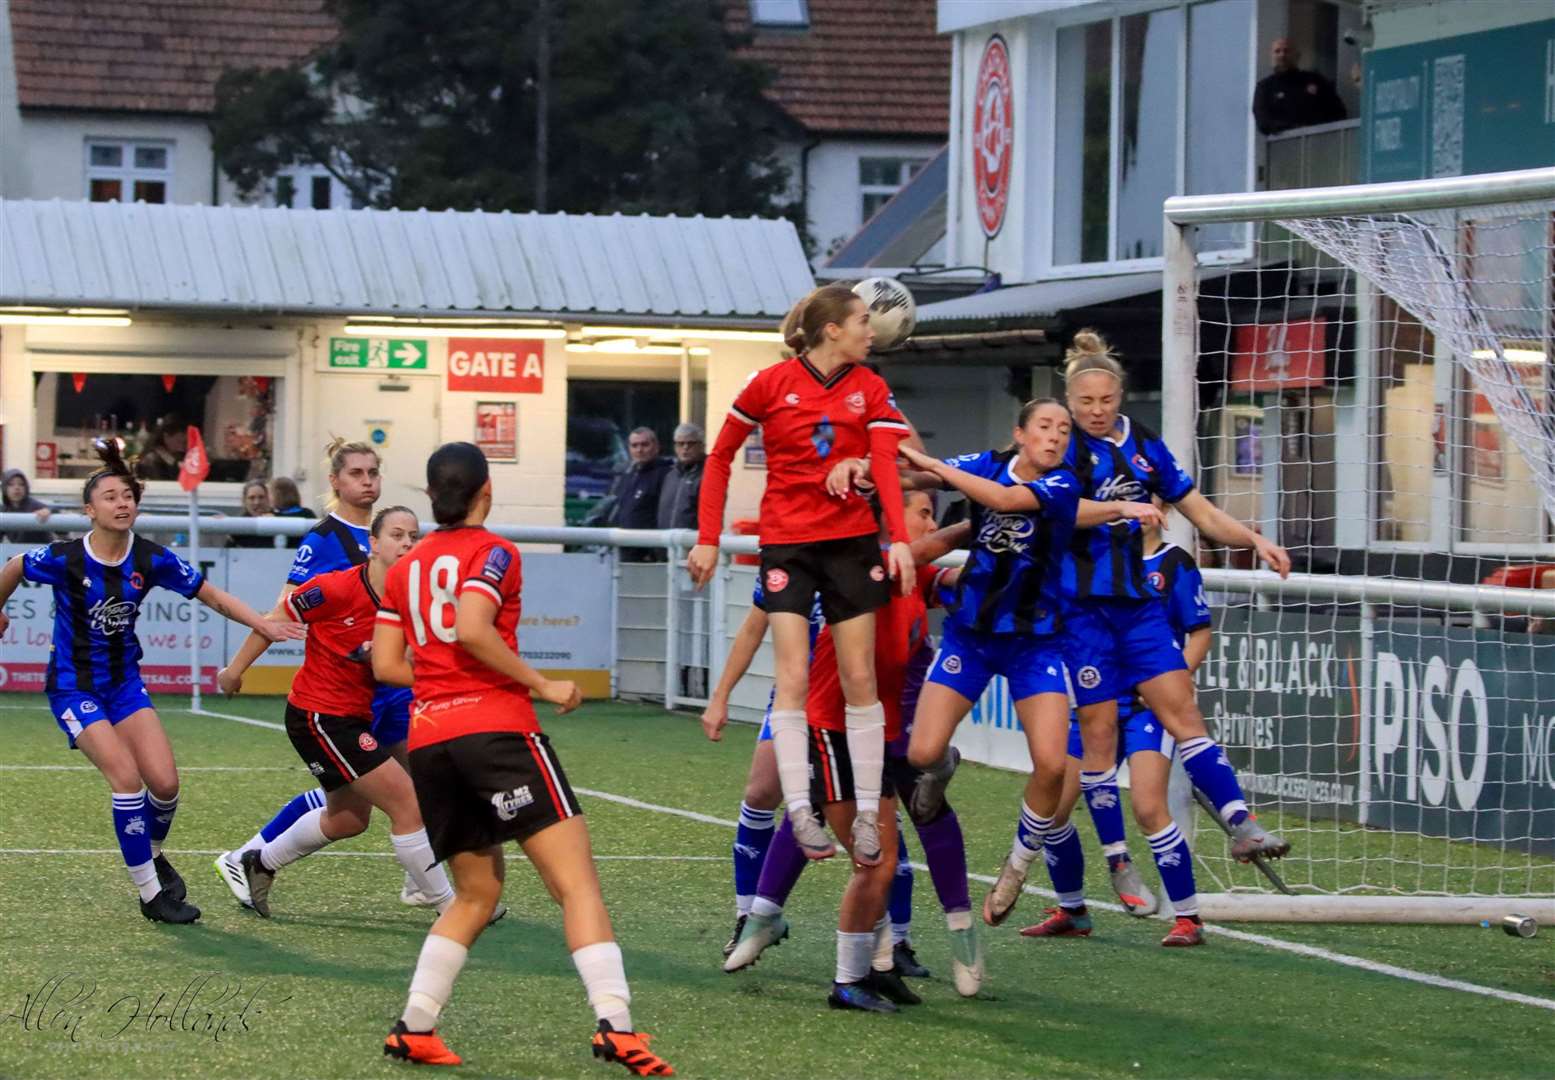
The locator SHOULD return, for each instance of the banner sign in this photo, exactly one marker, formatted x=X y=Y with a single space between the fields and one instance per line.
x=496 y=364
x=565 y=626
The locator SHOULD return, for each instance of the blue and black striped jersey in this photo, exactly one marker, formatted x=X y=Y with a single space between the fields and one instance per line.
x=1013 y=579
x=96 y=603
x=1108 y=561
x=1174 y=577
x=332 y=544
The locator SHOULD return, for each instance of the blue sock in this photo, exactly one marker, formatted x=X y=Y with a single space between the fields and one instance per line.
x=1175 y=862
x=752 y=838
x=288 y=815
x=900 y=905
x=161 y=819
x=1066 y=865
x=132 y=827
x=1029 y=835
x=1106 y=806
x=1212 y=774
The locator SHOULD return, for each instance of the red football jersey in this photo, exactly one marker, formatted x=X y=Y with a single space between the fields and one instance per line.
x=455 y=693
x=808 y=424
x=336 y=677
x=900 y=628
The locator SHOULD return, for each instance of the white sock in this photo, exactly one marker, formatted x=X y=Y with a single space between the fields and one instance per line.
x=854 y=953
x=1029 y=835
x=305 y=836
x=433 y=983
x=958 y=920
x=255 y=842
x=604 y=978
x=884 y=958
x=866 y=746
x=145 y=878
x=900 y=932
x=764 y=908
x=414 y=851
x=791 y=744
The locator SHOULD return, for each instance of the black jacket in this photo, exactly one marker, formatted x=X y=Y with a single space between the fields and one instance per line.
x=1294 y=99
x=636 y=493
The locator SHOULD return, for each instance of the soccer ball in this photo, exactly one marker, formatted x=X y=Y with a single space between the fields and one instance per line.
x=892 y=311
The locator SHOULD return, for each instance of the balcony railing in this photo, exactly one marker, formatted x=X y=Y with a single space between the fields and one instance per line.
x=1324 y=155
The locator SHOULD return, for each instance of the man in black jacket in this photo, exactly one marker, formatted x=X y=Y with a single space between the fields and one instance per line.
x=636 y=492
x=1292 y=98
x=683 y=482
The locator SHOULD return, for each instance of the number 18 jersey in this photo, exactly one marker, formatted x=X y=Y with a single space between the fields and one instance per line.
x=455 y=693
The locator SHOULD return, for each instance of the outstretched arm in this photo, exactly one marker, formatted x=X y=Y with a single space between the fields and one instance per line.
x=10 y=578
x=941 y=542
x=230 y=678
x=228 y=606
x=1222 y=528
x=747 y=639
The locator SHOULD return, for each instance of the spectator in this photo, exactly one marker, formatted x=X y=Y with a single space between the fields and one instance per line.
x=16 y=498
x=256 y=503
x=683 y=481
x=636 y=492
x=163 y=456
x=1292 y=98
x=286 y=501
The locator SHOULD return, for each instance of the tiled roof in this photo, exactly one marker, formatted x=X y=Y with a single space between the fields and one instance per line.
x=153 y=55
x=389 y=262
x=861 y=67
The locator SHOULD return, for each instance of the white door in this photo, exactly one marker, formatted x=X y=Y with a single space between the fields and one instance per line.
x=403 y=424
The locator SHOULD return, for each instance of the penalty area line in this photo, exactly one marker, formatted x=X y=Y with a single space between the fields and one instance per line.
x=1312 y=952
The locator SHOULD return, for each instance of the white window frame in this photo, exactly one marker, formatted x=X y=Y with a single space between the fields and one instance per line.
x=127 y=173
x=1047 y=268
x=302 y=177
x=903 y=178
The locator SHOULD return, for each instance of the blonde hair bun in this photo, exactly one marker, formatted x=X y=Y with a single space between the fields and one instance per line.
x=1089 y=351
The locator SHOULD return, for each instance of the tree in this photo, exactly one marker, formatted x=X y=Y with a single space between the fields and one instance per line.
x=433 y=103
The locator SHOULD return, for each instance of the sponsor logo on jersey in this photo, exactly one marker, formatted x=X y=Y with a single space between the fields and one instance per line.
x=498 y=559
x=112 y=616
x=88 y=706
x=366 y=741
x=777 y=580
x=951 y=665
x=136 y=581
x=1140 y=462
x=791 y=399
x=310 y=598
x=1157 y=580
x=315 y=768
x=509 y=803
x=135 y=826
x=1089 y=677
x=304 y=553
x=1000 y=533
x=855 y=402
x=877 y=573
x=1120 y=489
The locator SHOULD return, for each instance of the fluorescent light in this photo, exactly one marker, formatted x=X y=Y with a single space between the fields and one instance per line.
x=97 y=311
x=624 y=347
x=681 y=333
x=485 y=330
x=1514 y=356
x=13 y=319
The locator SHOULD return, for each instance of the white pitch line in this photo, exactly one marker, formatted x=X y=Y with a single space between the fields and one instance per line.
x=355 y=854
x=272 y=725
x=1311 y=951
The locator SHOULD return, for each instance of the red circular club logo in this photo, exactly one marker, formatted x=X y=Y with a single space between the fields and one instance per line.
x=993 y=135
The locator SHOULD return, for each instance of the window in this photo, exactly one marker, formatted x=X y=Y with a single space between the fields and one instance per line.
x=312 y=187
x=1132 y=127
x=879 y=178
x=236 y=414
x=128 y=170
x=780 y=13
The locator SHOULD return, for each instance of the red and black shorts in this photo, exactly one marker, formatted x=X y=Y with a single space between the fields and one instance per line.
x=336 y=749
x=831 y=767
x=849 y=574
x=479 y=791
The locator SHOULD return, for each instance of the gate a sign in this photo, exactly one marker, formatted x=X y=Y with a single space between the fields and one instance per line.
x=504 y=365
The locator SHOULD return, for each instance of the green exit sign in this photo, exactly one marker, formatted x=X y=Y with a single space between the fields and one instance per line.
x=397 y=354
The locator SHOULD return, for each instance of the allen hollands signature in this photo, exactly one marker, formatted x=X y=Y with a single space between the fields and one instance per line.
x=210 y=1004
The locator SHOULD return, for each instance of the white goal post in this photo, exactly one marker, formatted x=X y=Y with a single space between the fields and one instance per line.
x=1364 y=374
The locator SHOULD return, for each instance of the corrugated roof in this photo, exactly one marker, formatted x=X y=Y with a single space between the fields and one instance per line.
x=1042 y=298
x=390 y=262
x=153 y=55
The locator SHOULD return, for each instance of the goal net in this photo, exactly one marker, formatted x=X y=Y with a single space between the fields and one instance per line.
x=1365 y=375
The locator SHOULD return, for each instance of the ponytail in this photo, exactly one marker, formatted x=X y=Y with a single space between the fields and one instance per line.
x=112 y=456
